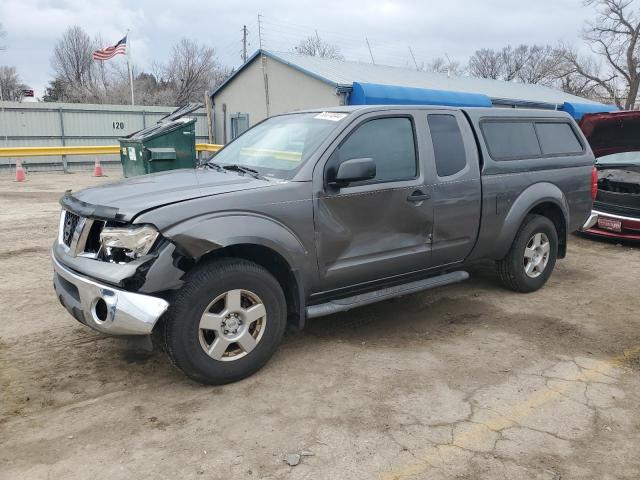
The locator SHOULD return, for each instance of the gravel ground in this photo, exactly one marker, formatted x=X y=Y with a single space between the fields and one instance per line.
x=468 y=381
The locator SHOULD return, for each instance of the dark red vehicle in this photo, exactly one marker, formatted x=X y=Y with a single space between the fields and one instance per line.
x=615 y=141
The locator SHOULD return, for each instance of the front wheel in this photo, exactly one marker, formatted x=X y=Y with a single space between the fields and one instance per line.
x=532 y=257
x=225 y=322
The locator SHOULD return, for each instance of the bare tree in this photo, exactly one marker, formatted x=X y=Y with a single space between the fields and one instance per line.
x=191 y=70
x=316 y=47
x=486 y=63
x=614 y=36
x=74 y=66
x=10 y=84
x=513 y=61
x=541 y=65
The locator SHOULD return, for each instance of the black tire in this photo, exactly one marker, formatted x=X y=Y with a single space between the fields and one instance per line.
x=204 y=284
x=511 y=269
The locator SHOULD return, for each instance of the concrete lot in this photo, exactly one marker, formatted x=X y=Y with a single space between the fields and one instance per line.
x=469 y=381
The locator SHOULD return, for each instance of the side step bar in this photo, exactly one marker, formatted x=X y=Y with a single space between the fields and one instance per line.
x=344 y=304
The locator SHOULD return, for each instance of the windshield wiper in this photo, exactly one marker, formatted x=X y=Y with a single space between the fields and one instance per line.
x=243 y=169
x=236 y=168
x=217 y=166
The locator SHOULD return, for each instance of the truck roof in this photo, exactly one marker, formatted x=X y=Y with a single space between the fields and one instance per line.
x=472 y=111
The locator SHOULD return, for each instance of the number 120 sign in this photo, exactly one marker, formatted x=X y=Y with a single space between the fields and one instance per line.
x=118 y=125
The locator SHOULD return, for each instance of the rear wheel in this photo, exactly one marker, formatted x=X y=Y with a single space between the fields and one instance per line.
x=225 y=322
x=532 y=256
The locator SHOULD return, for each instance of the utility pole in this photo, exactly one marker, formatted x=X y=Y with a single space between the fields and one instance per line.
x=244 y=44
x=370 y=53
x=263 y=62
x=129 y=67
x=414 y=58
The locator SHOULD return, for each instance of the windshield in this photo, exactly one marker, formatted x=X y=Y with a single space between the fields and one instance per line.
x=278 y=146
x=624 y=158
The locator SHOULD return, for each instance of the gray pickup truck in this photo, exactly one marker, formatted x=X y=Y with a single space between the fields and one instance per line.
x=316 y=212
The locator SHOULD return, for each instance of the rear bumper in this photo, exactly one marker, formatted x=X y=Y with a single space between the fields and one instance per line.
x=630 y=226
x=105 y=308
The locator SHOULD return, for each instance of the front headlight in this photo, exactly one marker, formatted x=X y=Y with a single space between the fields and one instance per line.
x=132 y=242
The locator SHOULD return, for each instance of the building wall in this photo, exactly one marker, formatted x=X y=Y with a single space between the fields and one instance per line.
x=58 y=124
x=289 y=90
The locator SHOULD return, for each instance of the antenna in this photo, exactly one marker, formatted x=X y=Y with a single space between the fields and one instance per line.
x=260 y=30
x=370 y=53
x=448 y=64
x=244 y=44
x=414 y=58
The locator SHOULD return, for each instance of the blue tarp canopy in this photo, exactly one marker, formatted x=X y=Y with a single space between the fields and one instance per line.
x=379 y=94
x=578 y=110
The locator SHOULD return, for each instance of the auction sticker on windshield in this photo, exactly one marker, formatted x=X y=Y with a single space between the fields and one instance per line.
x=333 y=116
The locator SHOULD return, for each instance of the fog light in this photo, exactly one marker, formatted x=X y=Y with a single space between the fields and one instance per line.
x=100 y=310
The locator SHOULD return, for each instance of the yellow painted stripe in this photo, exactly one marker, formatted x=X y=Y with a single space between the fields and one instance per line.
x=208 y=147
x=81 y=150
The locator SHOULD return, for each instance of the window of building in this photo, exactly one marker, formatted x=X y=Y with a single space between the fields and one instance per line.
x=239 y=124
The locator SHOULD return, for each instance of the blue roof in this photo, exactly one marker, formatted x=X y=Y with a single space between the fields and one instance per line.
x=378 y=94
x=578 y=110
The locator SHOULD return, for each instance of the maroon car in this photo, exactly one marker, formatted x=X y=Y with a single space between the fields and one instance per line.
x=615 y=141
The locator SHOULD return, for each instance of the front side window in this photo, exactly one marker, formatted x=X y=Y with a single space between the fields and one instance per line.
x=389 y=142
x=448 y=145
x=511 y=139
x=280 y=145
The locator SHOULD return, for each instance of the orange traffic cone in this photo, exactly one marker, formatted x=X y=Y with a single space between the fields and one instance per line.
x=20 y=175
x=97 y=169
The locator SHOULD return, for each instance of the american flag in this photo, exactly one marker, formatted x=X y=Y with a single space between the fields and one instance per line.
x=107 y=53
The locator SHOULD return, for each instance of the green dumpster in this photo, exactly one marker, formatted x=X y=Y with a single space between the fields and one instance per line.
x=168 y=145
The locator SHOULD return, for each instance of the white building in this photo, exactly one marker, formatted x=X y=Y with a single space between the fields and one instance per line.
x=270 y=83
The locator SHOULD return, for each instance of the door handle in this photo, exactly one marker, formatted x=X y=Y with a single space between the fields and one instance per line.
x=418 y=196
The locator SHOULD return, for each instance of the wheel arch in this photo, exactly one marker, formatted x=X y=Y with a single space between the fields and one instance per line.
x=540 y=198
x=250 y=236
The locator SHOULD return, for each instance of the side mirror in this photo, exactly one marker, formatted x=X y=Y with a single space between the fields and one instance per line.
x=354 y=170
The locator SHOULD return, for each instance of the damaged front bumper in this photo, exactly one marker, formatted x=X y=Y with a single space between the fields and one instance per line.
x=105 y=308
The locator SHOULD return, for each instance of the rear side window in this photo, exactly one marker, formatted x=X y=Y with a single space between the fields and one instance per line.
x=509 y=139
x=389 y=142
x=448 y=145
x=558 y=138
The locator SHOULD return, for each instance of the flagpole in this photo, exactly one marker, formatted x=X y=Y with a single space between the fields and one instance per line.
x=129 y=67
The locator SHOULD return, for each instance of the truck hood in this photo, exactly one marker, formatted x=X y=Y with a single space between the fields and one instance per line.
x=125 y=199
x=614 y=132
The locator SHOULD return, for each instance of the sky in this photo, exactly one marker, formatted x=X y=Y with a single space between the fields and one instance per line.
x=432 y=28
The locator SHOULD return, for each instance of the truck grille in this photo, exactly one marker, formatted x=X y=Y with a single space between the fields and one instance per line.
x=88 y=234
x=71 y=221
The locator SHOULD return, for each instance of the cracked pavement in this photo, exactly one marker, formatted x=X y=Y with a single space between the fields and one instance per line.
x=468 y=381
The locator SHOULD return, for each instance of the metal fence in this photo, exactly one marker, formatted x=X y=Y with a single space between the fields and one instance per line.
x=70 y=124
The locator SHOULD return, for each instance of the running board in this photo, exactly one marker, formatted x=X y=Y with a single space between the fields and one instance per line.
x=344 y=304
